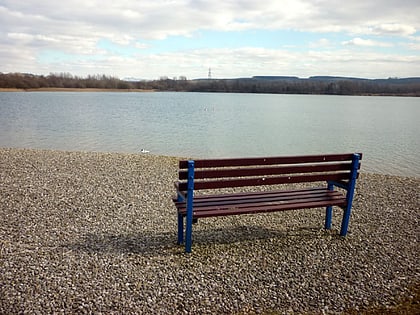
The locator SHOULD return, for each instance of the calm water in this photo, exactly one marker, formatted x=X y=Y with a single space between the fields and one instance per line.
x=385 y=129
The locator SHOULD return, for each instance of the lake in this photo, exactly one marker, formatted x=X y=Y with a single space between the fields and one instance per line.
x=385 y=129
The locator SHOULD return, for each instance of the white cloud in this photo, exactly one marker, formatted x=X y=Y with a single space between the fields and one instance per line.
x=393 y=29
x=121 y=39
x=139 y=45
x=320 y=43
x=246 y=62
x=413 y=46
x=365 y=42
x=32 y=37
x=29 y=28
x=160 y=18
x=243 y=62
x=20 y=36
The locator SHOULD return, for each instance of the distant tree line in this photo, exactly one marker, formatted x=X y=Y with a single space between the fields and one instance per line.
x=258 y=84
x=313 y=85
x=60 y=80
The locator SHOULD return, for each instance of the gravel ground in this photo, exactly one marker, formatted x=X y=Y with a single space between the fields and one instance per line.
x=96 y=233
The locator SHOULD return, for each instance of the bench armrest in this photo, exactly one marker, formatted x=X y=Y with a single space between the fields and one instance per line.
x=340 y=184
x=181 y=195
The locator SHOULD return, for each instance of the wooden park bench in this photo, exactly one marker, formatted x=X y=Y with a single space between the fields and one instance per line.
x=337 y=170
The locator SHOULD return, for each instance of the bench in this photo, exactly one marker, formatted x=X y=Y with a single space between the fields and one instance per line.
x=337 y=170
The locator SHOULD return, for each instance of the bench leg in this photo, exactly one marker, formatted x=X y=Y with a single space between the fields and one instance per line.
x=188 y=234
x=180 y=229
x=328 y=218
x=347 y=211
x=350 y=194
x=346 y=220
x=190 y=201
x=328 y=213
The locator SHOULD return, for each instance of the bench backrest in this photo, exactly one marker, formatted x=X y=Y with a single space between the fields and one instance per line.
x=224 y=173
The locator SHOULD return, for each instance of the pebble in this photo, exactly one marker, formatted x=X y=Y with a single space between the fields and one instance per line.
x=86 y=232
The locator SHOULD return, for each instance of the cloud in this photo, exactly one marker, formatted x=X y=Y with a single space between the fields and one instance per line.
x=139 y=45
x=248 y=61
x=393 y=29
x=414 y=44
x=159 y=19
x=365 y=43
x=320 y=43
x=32 y=38
x=32 y=29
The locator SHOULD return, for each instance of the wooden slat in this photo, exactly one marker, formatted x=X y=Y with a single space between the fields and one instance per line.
x=259 y=194
x=259 y=181
x=268 y=160
x=223 y=200
x=270 y=208
x=253 y=195
x=241 y=195
x=262 y=201
x=309 y=199
x=261 y=171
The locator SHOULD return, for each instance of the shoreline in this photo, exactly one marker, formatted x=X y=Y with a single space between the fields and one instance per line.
x=54 y=89
x=72 y=90
x=96 y=232
x=363 y=171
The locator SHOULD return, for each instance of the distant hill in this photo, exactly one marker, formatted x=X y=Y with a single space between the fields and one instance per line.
x=413 y=80
x=313 y=85
x=332 y=78
x=272 y=77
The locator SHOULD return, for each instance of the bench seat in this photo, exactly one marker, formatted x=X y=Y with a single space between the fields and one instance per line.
x=258 y=202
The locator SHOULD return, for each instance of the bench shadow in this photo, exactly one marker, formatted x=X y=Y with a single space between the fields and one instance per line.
x=164 y=243
x=152 y=244
x=240 y=234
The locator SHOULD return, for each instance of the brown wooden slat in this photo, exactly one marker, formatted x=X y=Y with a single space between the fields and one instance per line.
x=261 y=171
x=262 y=200
x=259 y=181
x=268 y=160
x=260 y=194
x=268 y=208
x=270 y=192
x=335 y=199
x=241 y=195
x=220 y=198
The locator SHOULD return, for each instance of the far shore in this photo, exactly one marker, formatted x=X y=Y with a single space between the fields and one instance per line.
x=72 y=90
x=56 y=89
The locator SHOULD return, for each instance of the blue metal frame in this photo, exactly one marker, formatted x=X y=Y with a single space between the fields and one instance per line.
x=328 y=215
x=190 y=198
x=180 y=198
x=350 y=187
x=350 y=193
x=180 y=224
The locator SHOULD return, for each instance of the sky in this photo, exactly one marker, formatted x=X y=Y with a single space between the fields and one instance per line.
x=234 y=38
